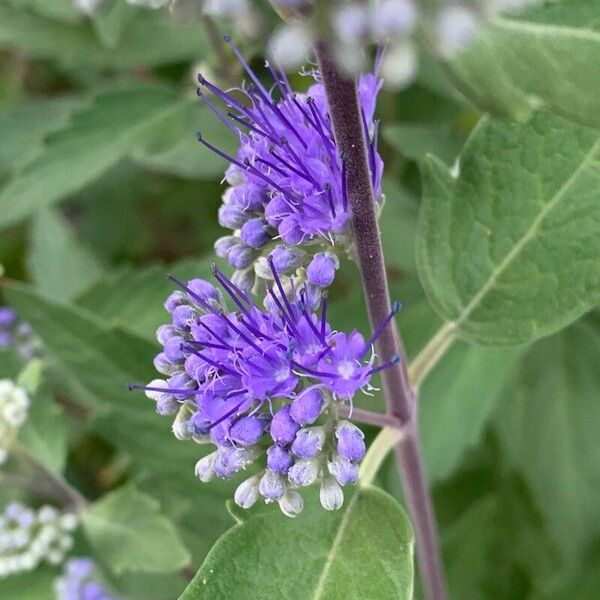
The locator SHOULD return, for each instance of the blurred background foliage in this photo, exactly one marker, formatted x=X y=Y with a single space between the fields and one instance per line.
x=104 y=190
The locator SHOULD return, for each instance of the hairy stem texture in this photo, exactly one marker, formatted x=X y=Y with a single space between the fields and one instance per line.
x=342 y=97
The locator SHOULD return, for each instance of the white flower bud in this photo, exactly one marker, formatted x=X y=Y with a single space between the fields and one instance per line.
x=291 y=503
x=205 y=467
x=331 y=494
x=399 y=65
x=455 y=27
x=247 y=493
x=290 y=45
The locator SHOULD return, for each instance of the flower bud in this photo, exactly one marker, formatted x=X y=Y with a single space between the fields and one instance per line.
x=309 y=442
x=165 y=332
x=399 y=64
x=394 y=18
x=306 y=408
x=304 y=471
x=174 y=349
x=279 y=459
x=272 y=485
x=182 y=316
x=286 y=259
x=8 y=316
x=331 y=494
x=224 y=244
x=255 y=233
x=232 y=216
x=344 y=471
x=290 y=45
x=456 y=26
x=175 y=299
x=244 y=279
x=247 y=430
x=205 y=467
x=241 y=256
x=159 y=383
x=351 y=23
x=321 y=269
x=350 y=441
x=291 y=503
x=195 y=367
x=250 y=197
x=290 y=230
x=206 y=291
x=182 y=381
x=247 y=492
x=230 y=460
x=234 y=175
x=182 y=429
x=167 y=404
x=163 y=365
x=283 y=429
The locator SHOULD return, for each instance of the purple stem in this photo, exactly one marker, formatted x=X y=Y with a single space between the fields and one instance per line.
x=345 y=114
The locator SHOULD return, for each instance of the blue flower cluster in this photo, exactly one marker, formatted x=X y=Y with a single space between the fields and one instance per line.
x=288 y=180
x=267 y=382
x=258 y=381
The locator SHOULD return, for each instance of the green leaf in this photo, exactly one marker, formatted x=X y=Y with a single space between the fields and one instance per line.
x=112 y=24
x=37 y=585
x=508 y=249
x=44 y=434
x=415 y=140
x=546 y=58
x=25 y=126
x=128 y=532
x=152 y=39
x=134 y=299
x=185 y=157
x=98 y=136
x=457 y=400
x=60 y=265
x=102 y=359
x=364 y=551
x=548 y=426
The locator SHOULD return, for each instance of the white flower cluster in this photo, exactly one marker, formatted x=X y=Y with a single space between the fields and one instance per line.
x=29 y=537
x=14 y=404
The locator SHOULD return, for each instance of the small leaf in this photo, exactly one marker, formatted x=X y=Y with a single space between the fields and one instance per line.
x=545 y=58
x=58 y=262
x=548 y=426
x=364 y=551
x=128 y=532
x=96 y=138
x=44 y=434
x=152 y=39
x=509 y=248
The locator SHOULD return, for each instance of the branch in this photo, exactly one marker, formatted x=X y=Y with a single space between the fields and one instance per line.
x=342 y=97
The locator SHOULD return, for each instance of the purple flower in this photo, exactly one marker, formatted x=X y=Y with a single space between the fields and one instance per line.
x=79 y=581
x=350 y=441
x=18 y=335
x=288 y=172
x=250 y=379
x=321 y=269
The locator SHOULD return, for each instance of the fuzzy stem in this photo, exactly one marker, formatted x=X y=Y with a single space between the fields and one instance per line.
x=342 y=97
x=369 y=417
